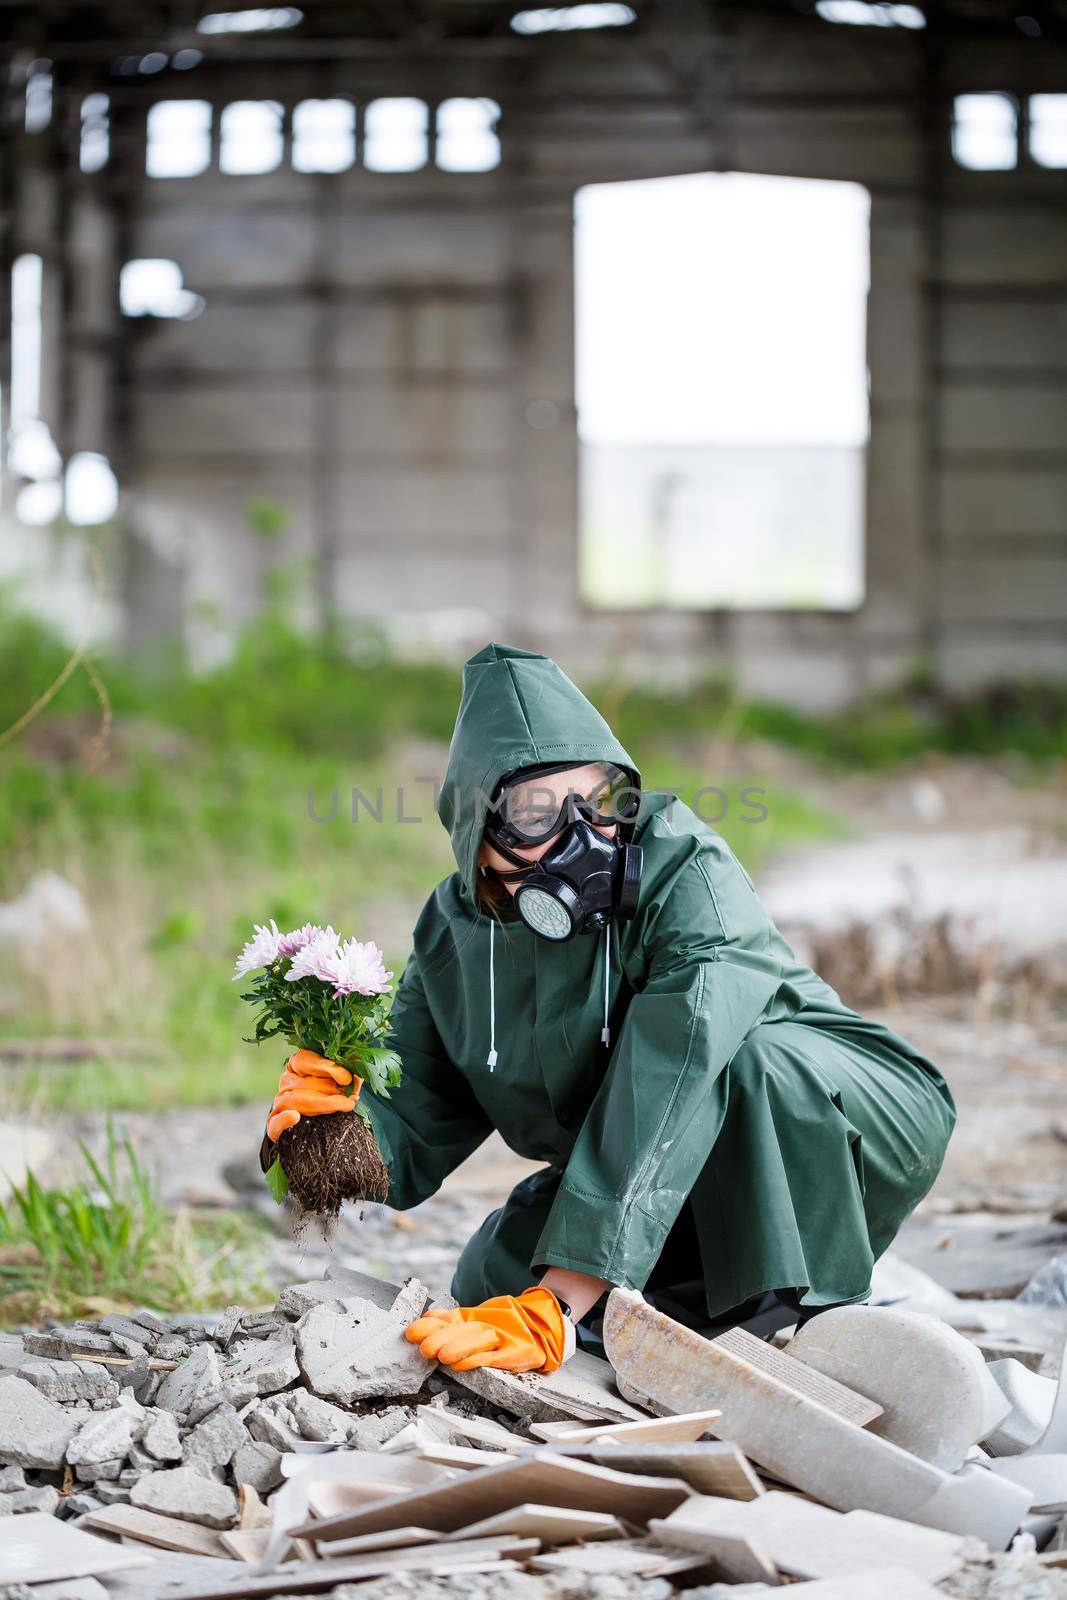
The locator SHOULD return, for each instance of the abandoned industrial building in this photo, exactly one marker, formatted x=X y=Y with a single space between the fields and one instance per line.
x=312 y=274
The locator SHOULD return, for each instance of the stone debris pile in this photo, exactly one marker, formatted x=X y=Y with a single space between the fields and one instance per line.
x=310 y=1448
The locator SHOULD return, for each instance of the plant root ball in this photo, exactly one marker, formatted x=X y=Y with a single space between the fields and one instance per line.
x=330 y=1159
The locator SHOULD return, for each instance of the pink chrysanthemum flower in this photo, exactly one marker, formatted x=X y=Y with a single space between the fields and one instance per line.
x=360 y=969
x=299 y=938
x=263 y=948
x=317 y=959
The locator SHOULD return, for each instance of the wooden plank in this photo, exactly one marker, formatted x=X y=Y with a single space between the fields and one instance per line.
x=309 y=1577
x=784 y=1368
x=550 y=1524
x=718 y=1468
x=538 y=1476
x=650 y=1430
x=166 y=1533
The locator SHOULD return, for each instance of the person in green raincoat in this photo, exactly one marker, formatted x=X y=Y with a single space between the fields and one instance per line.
x=717 y=1128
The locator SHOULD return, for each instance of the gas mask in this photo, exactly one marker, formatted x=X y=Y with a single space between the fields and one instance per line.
x=578 y=886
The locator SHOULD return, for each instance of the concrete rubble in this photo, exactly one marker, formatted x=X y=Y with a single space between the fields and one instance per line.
x=309 y=1448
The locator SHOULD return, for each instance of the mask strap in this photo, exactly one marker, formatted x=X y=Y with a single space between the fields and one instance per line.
x=491 y=1058
x=605 y=1032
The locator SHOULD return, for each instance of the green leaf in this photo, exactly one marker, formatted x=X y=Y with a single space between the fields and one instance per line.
x=277 y=1182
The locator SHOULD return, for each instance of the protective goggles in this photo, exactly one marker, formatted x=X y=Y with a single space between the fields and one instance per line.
x=528 y=809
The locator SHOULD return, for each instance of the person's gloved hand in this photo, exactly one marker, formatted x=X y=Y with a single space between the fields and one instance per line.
x=310 y=1086
x=521 y=1333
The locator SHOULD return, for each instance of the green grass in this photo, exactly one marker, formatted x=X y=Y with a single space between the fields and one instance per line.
x=197 y=825
x=105 y=1243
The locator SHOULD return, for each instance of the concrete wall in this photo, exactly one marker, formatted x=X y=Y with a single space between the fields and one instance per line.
x=392 y=355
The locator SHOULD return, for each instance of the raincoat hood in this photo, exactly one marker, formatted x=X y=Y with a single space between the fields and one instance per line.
x=518 y=708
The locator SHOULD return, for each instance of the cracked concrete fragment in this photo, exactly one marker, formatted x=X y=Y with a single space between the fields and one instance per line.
x=198 y=1375
x=358 y=1353
x=185 y=1493
x=34 y=1431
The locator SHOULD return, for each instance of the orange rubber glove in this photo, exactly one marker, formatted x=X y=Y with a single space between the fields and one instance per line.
x=521 y=1333
x=310 y=1086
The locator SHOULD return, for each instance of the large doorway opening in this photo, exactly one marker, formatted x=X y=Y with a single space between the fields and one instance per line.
x=722 y=391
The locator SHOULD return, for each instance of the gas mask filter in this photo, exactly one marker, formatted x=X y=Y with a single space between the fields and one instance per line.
x=579 y=885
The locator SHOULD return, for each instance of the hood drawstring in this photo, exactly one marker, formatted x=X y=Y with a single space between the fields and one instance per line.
x=491 y=1058
x=605 y=1032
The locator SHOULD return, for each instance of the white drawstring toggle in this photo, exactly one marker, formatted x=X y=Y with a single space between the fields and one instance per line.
x=605 y=1032
x=491 y=1058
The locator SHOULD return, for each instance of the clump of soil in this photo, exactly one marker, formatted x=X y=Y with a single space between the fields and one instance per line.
x=331 y=1159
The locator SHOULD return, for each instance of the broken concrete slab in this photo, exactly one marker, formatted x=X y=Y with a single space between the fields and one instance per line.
x=12 y=1352
x=358 y=1353
x=258 y=1464
x=65 y=1344
x=583 y=1389
x=340 y=1283
x=41 y=1497
x=105 y=1437
x=317 y=1418
x=215 y=1441
x=937 y=1396
x=271 y=1422
x=34 y=1431
x=378 y=1428
x=197 y=1375
x=1030 y=1398
x=411 y=1302
x=65 y=1381
x=260 y=1366
x=185 y=1493
x=794 y=1438
x=226 y=1324
x=161 y=1438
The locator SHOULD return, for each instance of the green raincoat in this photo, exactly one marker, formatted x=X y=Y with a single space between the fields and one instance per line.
x=742 y=1127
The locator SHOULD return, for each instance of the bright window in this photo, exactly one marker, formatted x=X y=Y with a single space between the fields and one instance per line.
x=95 y=134
x=985 y=134
x=722 y=391
x=179 y=139
x=396 y=135
x=324 y=135
x=466 y=135
x=1048 y=129
x=251 y=137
